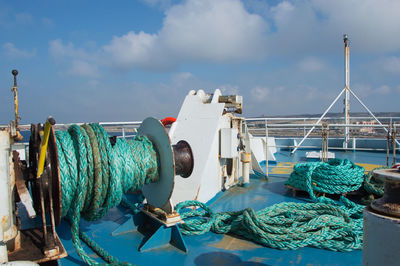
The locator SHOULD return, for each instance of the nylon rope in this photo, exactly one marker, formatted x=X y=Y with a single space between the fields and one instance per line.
x=334 y=177
x=286 y=225
x=95 y=175
x=325 y=223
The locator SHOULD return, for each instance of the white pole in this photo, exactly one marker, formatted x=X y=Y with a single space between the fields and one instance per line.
x=266 y=147
x=347 y=87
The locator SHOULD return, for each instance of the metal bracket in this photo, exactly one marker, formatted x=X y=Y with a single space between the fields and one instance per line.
x=158 y=230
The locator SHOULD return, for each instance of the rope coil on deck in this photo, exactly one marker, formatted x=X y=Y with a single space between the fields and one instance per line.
x=326 y=223
x=94 y=175
x=286 y=225
x=333 y=177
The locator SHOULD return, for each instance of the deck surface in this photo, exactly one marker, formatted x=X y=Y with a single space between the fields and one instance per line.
x=214 y=249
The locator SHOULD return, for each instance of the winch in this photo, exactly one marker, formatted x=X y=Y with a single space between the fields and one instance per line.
x=82 y=170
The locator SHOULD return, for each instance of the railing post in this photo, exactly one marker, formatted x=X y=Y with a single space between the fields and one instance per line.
x=266 y=148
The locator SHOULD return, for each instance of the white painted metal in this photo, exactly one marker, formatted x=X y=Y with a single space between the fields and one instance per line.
x=245 y=158
x=198 y=123
x=347 y=93
x=318 y=155
x=3 y=248
x=229 y=142
x=5 y=197
x=259 y=148
x=215 y=97
x=381 y=239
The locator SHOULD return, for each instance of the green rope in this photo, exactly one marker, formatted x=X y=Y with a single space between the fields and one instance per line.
x=374 y=185
x=286 y=225
x=94 y=176
x=326 y=223
x=334 y=177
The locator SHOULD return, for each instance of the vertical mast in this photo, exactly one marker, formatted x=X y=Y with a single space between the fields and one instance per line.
x=347 y=92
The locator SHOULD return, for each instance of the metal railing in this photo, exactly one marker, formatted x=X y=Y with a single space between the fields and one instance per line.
x=361 y=128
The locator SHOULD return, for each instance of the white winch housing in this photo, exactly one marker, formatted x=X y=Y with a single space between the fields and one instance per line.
x=217 y=138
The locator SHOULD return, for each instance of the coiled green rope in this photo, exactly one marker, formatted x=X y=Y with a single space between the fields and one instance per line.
x=334 y=177
x=326 y=223
x=94 y=176
x=287 y=225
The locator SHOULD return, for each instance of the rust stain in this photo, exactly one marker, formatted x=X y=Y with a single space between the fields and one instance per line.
x=197 y=194
x=298 y=259
x=258 y=259
x=232 y=243
x=5 y=219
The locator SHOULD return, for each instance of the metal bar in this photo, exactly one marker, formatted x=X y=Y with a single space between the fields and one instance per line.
x=43 y=148
x=313 y=118
x=366 y=108
x=347 y=87
x=266 y=148
x=319 y=120
x=332 y=148
x=319 y=125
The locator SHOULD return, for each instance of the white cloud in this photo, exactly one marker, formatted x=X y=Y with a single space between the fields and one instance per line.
x=83 y=69
x=136 y=49
x=196 y=30
x=317 y=25
x=12 y=51
x=182 y=78
x=391 y=64
x=77 y=61
x=384 y=89
x=260 y=94
x=365 y=90
x=311 y=64
x=228 y=89
x=59 y=50
x=226 y=31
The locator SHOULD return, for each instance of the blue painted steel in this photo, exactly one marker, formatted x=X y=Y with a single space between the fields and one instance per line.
x=155 y=233
x=126 y=227
x=164 y=236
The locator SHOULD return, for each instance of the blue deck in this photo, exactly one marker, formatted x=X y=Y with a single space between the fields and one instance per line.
x=214 y=249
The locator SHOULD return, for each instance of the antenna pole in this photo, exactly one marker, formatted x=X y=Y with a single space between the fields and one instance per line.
x=347 y=88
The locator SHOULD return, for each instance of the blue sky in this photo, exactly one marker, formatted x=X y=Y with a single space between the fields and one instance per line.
x=84 y=61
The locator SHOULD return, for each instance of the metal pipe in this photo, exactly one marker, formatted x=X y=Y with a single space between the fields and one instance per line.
x=284 y=126
x=266 y=148
x=347 y=87
x=245 y=158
